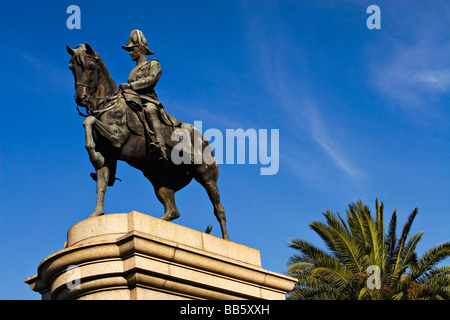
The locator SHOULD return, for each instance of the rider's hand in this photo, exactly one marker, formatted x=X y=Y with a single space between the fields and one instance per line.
x=124 y=86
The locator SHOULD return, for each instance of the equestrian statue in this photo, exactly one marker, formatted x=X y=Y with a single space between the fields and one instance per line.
x=129 y=123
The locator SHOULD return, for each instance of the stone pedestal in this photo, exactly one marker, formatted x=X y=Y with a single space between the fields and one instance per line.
x=135 y=257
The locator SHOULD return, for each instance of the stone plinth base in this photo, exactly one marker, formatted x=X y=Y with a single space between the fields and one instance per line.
x=135 y=257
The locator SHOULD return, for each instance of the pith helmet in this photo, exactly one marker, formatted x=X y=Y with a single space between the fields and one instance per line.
x=137 y=38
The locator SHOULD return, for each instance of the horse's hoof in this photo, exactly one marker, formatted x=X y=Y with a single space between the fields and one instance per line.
x=170 y=216
x=94 y=214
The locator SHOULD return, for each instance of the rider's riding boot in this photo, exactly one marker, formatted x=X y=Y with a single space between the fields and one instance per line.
x=152 y=117
x=159 y=137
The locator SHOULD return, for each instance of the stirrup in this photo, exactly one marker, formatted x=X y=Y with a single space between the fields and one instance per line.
x=163 y=154
x=161 y=149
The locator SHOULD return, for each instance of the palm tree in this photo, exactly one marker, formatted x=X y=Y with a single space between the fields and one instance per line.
x=367 y=263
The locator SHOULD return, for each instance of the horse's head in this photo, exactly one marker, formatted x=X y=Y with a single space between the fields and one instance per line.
x=85 y=67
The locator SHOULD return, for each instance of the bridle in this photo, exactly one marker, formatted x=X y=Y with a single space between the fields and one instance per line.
x=91 y=85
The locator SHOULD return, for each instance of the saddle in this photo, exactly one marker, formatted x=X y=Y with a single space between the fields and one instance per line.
x=136 y=120
x=135 y=101
x=132 y=99
x=136 y=123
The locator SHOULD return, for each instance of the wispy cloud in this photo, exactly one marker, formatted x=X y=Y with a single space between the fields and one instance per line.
x=304 y=115
x=284 y=77
x=415 y=68
x=411 y=81
x=323 y=138
x=435 y=80
x=50 y=76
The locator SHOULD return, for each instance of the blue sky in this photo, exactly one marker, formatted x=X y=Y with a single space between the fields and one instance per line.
x=361 y=114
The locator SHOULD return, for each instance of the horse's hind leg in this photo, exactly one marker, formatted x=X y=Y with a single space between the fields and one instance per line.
x=213 y=193
x=167 y=197
x=219 y=211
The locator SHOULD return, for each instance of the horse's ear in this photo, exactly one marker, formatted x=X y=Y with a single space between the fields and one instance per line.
x=89 y=49
x=70 y=50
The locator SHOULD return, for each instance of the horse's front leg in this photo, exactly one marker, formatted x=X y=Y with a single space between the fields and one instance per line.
x=96 y=157
x=102 y=183
x=103 y=163
x=98 y=161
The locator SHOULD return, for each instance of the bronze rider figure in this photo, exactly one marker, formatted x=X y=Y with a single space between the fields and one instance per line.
x=142 y=80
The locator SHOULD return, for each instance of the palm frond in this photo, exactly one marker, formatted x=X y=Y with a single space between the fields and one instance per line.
x=209 y=229
x=433 y=285
x=312 y=258
x=408 y=254
x=391 y=239
x=379 y=223
x=376 y=256
x=312 y=289
x=335 y=275
x=355 y=222
x=342 y=246
x=430 y=258
x=397 y=267
x=358 y=242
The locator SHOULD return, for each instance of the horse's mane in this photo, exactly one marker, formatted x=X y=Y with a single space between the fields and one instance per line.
x=105 y=71
x=80 y=58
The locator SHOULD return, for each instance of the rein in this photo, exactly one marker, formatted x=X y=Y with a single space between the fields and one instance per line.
x=99 y=110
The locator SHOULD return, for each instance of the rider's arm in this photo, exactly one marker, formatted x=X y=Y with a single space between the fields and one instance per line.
x=152 y=74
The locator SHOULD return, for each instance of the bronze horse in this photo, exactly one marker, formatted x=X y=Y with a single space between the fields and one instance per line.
x=114 y=132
